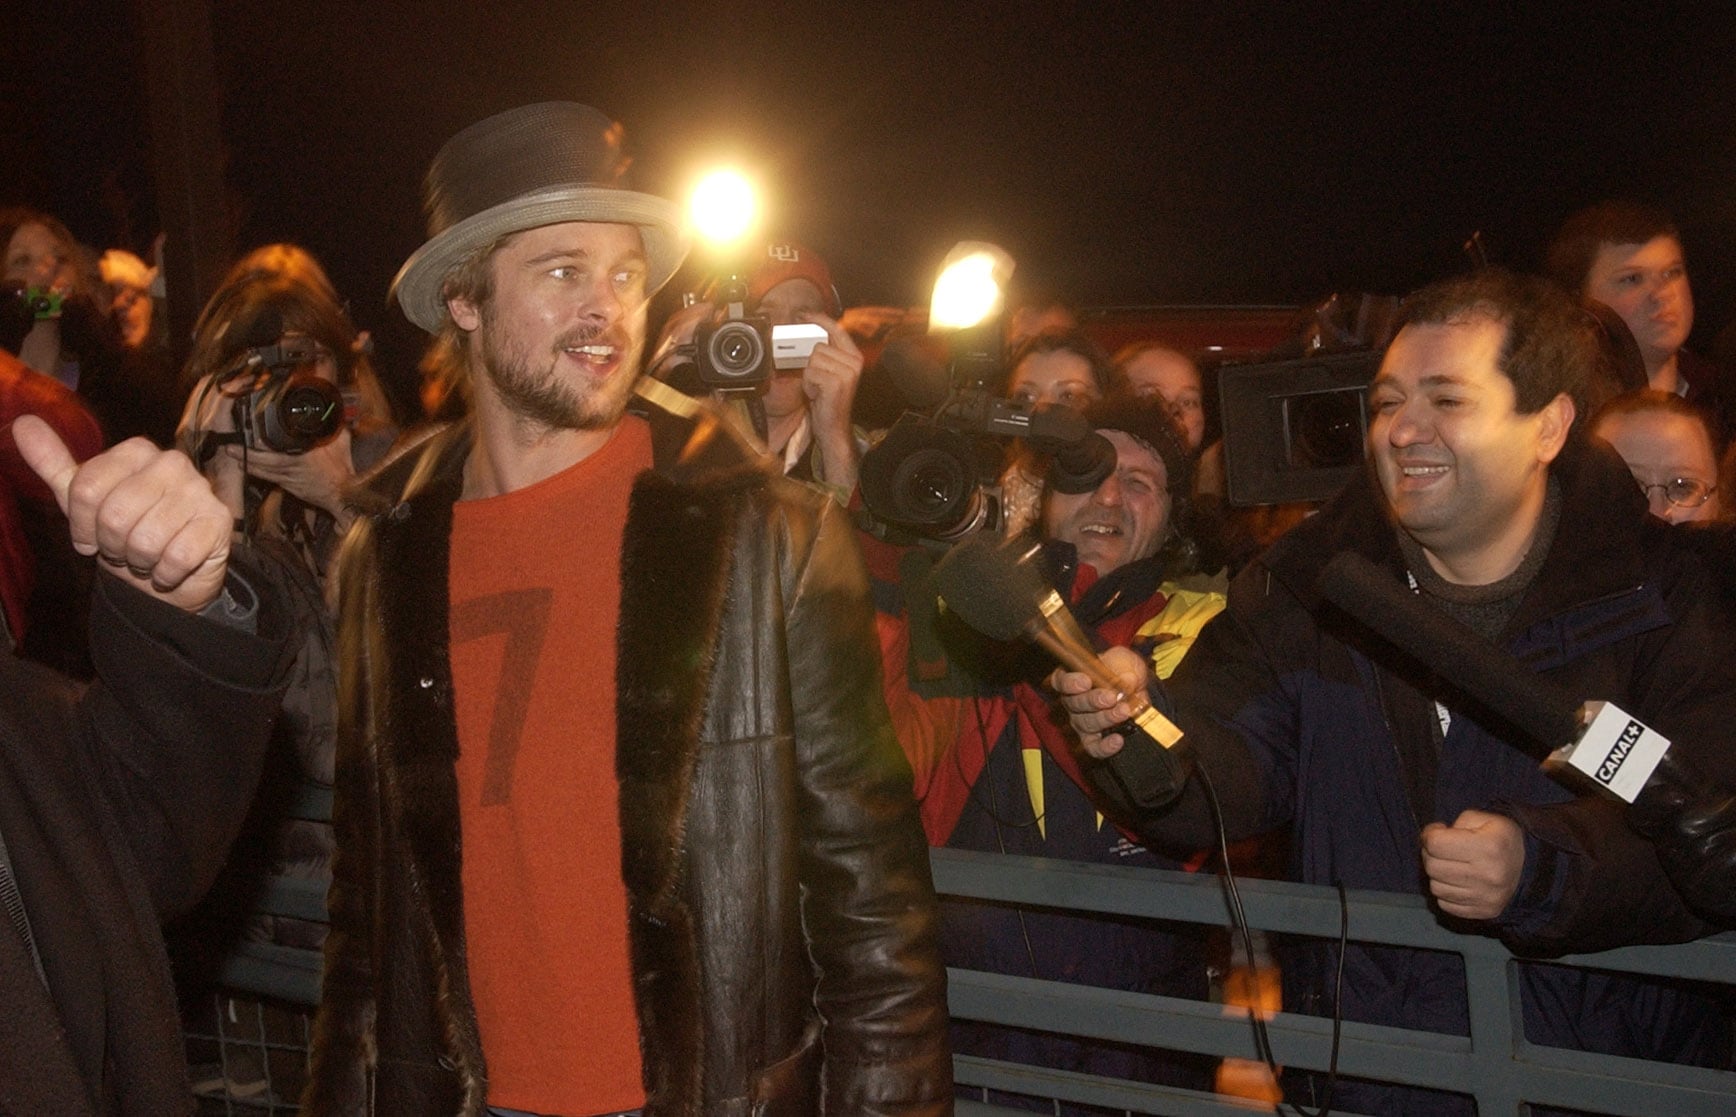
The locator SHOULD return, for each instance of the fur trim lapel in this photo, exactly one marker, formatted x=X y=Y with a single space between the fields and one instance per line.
x=420 y=781
x=675 y=576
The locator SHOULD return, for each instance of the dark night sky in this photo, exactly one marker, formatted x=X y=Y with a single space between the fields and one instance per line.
x=1127 y=154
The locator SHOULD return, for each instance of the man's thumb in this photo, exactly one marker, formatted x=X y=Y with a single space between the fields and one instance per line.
x=45 y=453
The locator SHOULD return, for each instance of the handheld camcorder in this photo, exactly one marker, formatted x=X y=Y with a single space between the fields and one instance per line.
x=937 y=475
x=739 y=352
x=290 y=407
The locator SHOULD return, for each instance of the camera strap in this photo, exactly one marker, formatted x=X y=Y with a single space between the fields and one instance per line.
x=209 y=441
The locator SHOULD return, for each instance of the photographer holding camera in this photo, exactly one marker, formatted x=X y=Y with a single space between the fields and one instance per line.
x=283 y=413
x=806 y=405
x=284 y=410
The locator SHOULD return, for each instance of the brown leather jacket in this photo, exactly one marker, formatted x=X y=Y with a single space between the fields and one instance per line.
x=782 y=914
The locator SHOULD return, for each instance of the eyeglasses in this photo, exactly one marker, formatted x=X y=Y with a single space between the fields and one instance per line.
x=1683 y=492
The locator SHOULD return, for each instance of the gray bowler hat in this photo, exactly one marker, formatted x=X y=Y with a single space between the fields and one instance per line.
x=536 y=165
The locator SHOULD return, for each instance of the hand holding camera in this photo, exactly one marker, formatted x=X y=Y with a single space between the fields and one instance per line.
x=829 y=379
x=317 y=476
x=272 y=416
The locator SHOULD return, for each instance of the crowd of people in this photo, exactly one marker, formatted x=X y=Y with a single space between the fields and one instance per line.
x=641 y=714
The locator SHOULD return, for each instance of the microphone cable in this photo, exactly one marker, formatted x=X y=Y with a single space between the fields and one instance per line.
x=1239 y=925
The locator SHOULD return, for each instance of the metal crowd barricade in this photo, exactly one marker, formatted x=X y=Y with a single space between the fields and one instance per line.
x=1495 y=1063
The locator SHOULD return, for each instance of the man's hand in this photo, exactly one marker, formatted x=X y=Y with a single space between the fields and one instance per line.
x=1092 y=709
x=1473 y=865
x=830 y=381
x=147 y=513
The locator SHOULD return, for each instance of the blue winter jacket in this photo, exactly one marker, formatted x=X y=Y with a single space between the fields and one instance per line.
x=1309 y=722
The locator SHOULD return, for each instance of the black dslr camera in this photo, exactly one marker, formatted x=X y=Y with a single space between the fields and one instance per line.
x=937 y=475
x=290 y=407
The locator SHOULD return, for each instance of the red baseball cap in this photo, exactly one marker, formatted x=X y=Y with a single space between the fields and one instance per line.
x=785 y=260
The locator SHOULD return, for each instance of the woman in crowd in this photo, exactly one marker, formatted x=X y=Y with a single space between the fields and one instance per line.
x=58 y=323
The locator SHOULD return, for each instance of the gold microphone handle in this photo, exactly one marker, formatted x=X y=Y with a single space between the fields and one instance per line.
x=1077 y=655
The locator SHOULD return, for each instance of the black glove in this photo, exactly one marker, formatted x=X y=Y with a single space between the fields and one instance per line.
x=1692 y=824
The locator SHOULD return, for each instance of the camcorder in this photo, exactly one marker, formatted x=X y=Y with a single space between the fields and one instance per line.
x=290 y=407
x=1294 y=430
x=1296 y=425
x=739 y=352
x=937 y=475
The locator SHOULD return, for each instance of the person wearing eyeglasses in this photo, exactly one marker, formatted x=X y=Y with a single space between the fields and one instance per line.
x=1668 y=444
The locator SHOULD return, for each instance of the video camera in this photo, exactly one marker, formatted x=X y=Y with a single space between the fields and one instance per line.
x=1296 y=425
x=937 y=475
x=738 y=352
x=290 y=407
x=1294 y=430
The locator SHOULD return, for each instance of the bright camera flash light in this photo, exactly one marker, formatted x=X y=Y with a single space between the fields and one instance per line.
x=969 y=288
x=723 y=206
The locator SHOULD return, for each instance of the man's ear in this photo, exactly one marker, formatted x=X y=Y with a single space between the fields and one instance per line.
x=465 y=314
x=1554 y=422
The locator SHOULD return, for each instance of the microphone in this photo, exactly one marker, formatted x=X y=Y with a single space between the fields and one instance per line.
x=999 y=590
x=1688 y=818
x=1616 y=750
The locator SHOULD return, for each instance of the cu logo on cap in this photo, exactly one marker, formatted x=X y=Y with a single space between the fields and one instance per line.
x=784 y=253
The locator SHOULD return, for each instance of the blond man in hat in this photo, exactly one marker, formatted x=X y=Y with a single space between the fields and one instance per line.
x=622 y=825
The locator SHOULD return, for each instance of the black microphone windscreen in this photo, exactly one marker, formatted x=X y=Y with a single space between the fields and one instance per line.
x=1478 y=667
x=985 y=582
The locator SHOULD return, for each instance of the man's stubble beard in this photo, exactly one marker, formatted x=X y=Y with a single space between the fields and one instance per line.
x=545 y=399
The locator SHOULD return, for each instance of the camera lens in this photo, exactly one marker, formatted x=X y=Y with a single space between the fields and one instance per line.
x=294 y=414
x=929 y=485
x=736 y=350
x=307 y=412
x=1326 y=429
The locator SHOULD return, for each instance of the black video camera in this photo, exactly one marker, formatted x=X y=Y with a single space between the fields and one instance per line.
x=1294 y=430
x=738 y=351
x=937 y=476
x=290 y=407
